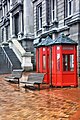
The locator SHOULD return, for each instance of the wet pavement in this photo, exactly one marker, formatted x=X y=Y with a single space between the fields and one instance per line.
x=18 y=103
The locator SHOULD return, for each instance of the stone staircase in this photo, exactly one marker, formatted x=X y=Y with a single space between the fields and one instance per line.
x=13 y=58
x=5 y=67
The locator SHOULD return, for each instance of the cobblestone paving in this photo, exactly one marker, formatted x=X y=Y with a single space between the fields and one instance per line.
x=46 y=104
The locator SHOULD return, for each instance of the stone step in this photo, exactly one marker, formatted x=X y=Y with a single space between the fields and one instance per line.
x=15 y=61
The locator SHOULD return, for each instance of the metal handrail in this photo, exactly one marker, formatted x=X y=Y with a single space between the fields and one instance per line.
x=8 y=60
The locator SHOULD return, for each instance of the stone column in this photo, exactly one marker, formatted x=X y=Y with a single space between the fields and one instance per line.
x=10 y=24
x=6 y=9
x=4 y=34
x=20 y=34
x=26 y=16
x=27 y=30
x=8 y=5
x=3 y=10
x=55 y=10
x=10 y=19
x=28 y=22
x=13 y=26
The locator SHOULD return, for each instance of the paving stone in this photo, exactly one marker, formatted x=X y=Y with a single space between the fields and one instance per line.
x=46 y=104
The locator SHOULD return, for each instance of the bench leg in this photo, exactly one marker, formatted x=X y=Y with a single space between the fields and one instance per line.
x=18 y=80
x=38 y=86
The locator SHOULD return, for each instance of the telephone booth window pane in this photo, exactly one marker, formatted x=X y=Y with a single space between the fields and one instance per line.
x=58 y=62
x=71 y=62
x=65 y=63
x=39 y=62
x=44 y=62
x=68 y=62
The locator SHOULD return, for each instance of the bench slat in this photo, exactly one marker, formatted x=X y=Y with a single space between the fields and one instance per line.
x=16 y=74
x=34 y=78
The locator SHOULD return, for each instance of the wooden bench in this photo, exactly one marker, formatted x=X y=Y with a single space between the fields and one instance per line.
x=34 y=78
x=16 y=75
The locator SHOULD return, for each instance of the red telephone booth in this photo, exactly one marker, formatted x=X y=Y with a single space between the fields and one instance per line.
x=43 y=58
x=64 y=62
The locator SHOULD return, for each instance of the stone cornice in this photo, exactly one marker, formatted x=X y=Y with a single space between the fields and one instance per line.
x=4 y=2
x=34 y=1
x=72 y=19
x=0 y=6
x=15 y=6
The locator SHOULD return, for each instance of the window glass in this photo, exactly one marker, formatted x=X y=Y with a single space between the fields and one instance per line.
x=16 y=24
x=39 y=16
x=68 y=62
x=68 y=8
x=71 y=62
x=65 y=62
x=53 y=9
x=58 y=62
x=44 y=62
x=38 y=60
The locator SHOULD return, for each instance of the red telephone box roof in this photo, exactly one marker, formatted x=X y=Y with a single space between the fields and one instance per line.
x=45 y=42
x=62 y=39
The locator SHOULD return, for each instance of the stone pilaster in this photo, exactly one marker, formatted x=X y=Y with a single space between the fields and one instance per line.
x=4 y=34
x=20 y=34
x=28 y=17
x=3 y=10
x=13 y=26
x=10 y=24
x=55 y=10
x=6 y=9
x=11 y=20
x=28 y=23
x=8 y=5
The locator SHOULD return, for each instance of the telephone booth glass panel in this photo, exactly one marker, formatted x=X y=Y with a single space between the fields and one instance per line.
x=39 y=61
x=68 y=62
x=44 y=62
x=58 y=62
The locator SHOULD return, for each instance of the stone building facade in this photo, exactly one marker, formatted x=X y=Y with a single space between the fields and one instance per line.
x=16 y=22
x=53 y=17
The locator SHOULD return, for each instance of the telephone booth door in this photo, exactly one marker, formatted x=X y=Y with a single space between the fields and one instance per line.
x=42 y=62
x=69 y=65
x=45 y=63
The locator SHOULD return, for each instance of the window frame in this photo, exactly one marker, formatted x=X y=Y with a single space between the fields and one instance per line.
x=68 y=63
x=69 y=7
x=53 y=10
x=39 y=16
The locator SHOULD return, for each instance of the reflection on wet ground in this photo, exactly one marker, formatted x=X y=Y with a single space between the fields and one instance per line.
x=16 y=103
